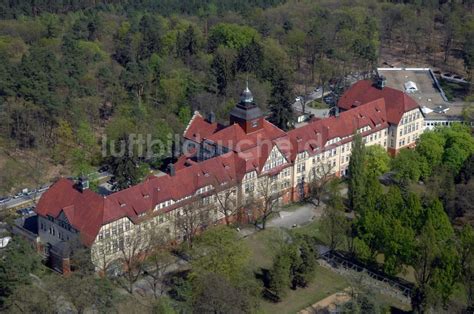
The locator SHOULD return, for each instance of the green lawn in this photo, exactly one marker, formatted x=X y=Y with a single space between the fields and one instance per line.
x=311 y=229
x=325 y=283
x=263 y=245
x=318 y=105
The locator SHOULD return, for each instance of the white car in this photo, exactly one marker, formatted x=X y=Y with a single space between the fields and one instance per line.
x=299 y=98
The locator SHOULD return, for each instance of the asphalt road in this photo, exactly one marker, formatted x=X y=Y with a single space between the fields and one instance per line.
x=28 y=199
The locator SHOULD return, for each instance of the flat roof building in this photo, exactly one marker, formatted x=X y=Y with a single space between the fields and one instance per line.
x=423 y=86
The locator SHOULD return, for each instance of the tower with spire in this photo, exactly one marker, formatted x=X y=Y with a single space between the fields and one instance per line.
x=246 y=113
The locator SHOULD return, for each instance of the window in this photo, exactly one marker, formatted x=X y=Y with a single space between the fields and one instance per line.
x=300 y=167
x=249 y=187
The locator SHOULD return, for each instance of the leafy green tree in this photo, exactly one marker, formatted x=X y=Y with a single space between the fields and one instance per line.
x=296 y=41
x=305 y=271
x=436 y=269
x=163 y=306
x=357 y=174
x=459 y=146
x=333 y=226
x=17 y=262
x=410 y=166
x=31 y=298
x=213 y=293
x=280 y=274
x=231 y=35
x=378 y=161
x=465 y=247
x=431 y=146
x=218 y=250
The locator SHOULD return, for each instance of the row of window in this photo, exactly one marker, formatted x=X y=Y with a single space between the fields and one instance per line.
x=409 y=128
x=411 y=117
x=52 y=231
x=115 y=228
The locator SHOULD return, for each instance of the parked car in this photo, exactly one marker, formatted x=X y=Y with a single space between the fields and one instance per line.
x=329 y=99
x=43 y=188
x=299 y=98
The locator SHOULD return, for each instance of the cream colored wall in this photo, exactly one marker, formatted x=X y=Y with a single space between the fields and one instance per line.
x=409 y=129
x=336 y=158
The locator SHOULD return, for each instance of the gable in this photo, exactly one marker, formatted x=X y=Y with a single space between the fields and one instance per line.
x=274 y=159
x=62 y=216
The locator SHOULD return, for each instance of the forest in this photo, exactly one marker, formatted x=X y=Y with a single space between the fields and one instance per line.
x=76 y=74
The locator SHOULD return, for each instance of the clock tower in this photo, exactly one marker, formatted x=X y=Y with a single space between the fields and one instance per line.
x=246 y=113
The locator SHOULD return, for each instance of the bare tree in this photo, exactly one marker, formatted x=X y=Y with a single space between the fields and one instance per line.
x=191 y=218
x=134 y=247
x=267 y=197
x=321 y=175
x=102 y=261
x=157 y=264
x=226 y=200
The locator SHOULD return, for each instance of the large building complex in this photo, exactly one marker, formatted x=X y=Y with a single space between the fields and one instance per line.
x=236 y=170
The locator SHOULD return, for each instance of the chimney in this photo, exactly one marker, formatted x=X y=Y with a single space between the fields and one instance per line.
x=171 y=170
x=336 y=111
x=211 y=117
x=82 y=184
x=380 y=81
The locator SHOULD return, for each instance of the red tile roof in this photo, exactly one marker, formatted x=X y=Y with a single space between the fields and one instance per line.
x=88 y=211
x=82 y=209
x=362 y=92
x=316 y=134
x=198 y=128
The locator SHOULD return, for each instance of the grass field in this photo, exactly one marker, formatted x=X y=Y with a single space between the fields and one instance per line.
x=318 y=105
x=324 y=284
x=264 y=245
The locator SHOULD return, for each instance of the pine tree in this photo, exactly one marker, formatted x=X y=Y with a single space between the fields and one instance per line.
x=357 y=174
x=223 y=69
x=280 y=102
x=186 y=44
x=250 y=57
